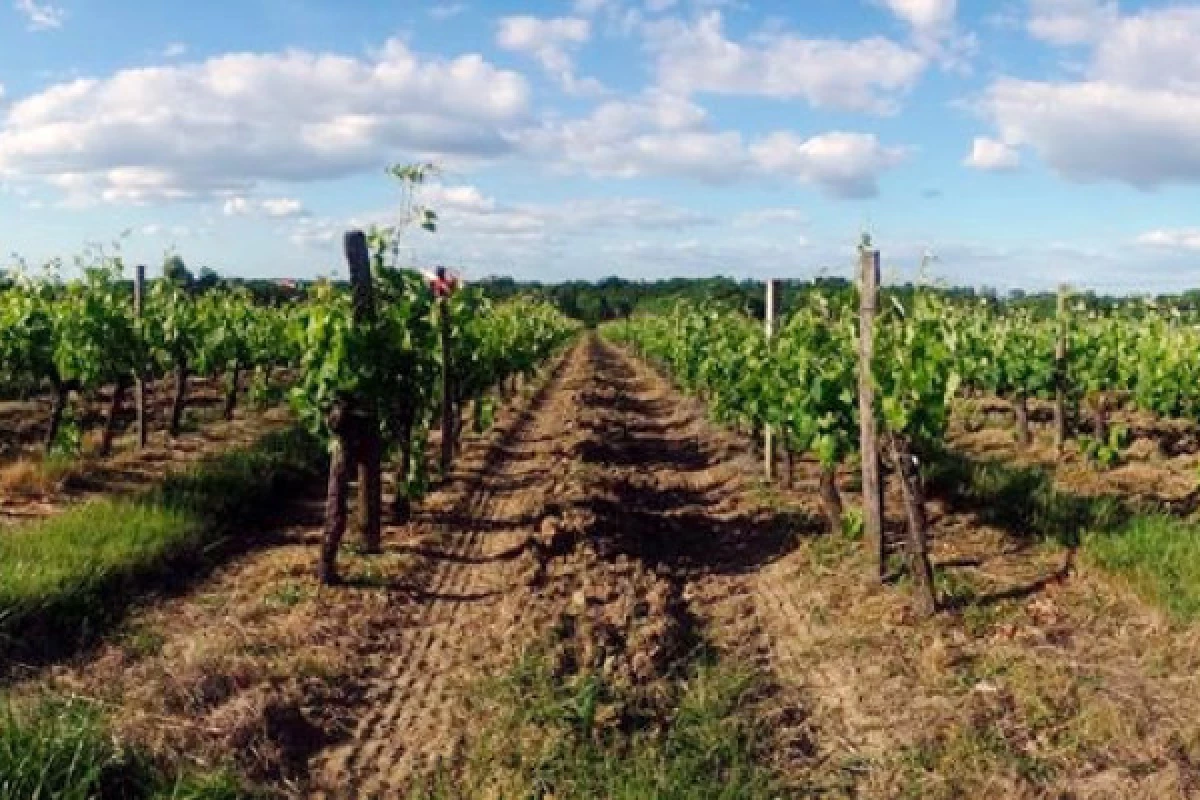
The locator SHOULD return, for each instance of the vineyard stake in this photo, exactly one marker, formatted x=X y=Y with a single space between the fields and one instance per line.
x=139 y=291
x=772 y=302
x=369 y=448
x=1060 y=372
x=447 y=421
x=872 y=484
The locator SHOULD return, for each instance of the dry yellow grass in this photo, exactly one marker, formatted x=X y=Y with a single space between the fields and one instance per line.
x=39 y=476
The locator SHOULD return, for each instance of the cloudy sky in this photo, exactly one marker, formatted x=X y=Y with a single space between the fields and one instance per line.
x=1024 y=142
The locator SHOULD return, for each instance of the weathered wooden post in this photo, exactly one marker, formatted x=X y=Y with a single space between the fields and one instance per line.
x=447 y=420
x=139 y=293
x=1060 y=371
x=772 y=301
x=872 y=483
x=368 y=444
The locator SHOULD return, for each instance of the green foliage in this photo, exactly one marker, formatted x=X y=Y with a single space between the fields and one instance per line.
x=1106 y=453
x=394 y=363
x=804 y=382
x=916 y=368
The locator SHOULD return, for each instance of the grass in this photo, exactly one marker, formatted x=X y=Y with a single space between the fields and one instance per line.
x=548 y=735
x=37 y=476
x=1158 y=555
x=1024 y=500
x=68 y=577
x=63 y=750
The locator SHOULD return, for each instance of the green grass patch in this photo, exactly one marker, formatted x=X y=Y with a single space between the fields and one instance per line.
x=1159 y=556
x=1023 y=500
x=546 y=735
x=1156 y=553
x=71 y=576
x=63 y=750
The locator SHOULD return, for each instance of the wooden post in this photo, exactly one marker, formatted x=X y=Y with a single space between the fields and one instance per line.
x=872 y=482
x=918 y=525
x=139 y=390
x=447 y=421
x=772 y=301
x=367 y=441
x=337 y=489
x=1060 y=372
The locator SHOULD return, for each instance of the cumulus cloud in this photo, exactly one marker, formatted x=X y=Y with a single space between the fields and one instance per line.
x=661 y=134
x=990 y=155
x=234 y=121
x=924 y=15
x=935 y=31
x=1187 y=239
x=1133 y=117
x=863 y=75
x=656 y=134
x=553 y=43
x=40 y=16
x=275 y=207
x=844 y=165
x=1071 y=22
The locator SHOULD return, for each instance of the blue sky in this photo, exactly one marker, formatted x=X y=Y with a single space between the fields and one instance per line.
x=1022 y=142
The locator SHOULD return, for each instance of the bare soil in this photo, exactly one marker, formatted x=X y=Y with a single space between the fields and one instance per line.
x=605 y=509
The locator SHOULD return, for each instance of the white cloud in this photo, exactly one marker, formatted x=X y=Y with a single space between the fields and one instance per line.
x=474 y=223
x=1093 y=130
x=863 y=75
x=275 y=207
x=1133 y=117
x=444 y=11
x=844 y=165
x=553 y=43
x=935 y=31
x=924 y=15
x=656 y=134
x=174 y=50
x=236 y=207
x=280 y=207
x=40 y=16
x=1154 y=50
x=1187 y=239
x=990 y=155
x=235 y=121
x=1070 y=22
x=664 y=134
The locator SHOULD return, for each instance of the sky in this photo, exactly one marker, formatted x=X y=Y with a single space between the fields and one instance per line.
x=1007 y=143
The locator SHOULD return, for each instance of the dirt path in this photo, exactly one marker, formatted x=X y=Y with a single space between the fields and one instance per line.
x=409 y=722
x=609 y=506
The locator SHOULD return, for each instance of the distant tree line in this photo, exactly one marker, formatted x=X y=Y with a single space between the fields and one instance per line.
x=613 y=298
